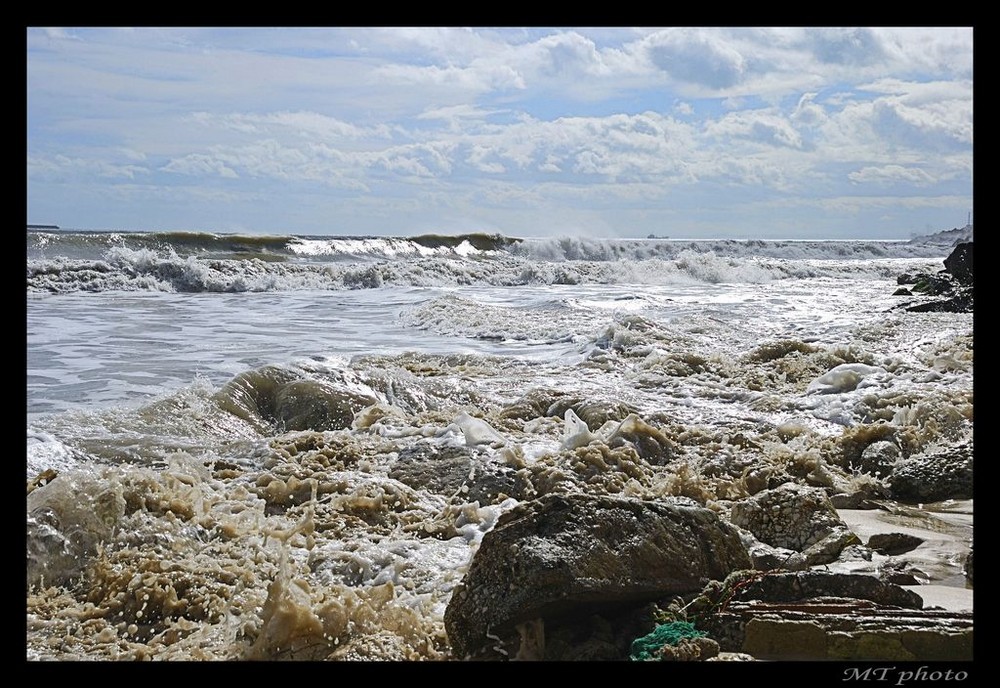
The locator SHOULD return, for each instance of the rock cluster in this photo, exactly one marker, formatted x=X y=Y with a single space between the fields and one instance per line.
x=798 y=518
x=954 y=284
x=565 y=556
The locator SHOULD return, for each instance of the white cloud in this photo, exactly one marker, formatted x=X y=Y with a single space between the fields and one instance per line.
x=759 y=126
x=61 y=166
x=199 y=164
x=890 y=174
x=696 y=56
x=407 y=123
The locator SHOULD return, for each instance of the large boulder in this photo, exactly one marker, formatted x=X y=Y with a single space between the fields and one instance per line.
x=959 y=263
x=575 y=555
x=798 y=518
x=934 y=476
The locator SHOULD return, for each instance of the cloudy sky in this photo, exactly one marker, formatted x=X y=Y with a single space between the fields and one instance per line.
x=683 y=132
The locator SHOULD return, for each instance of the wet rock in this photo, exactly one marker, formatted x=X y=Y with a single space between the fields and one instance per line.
x=898 y=577
x=934 y=476
x=803 y=585
x=594 y=413
x=797 y=518
x=878 y=458
x=768 y=558
x=568 y=555
x=819 y=615
x=894 y=543
x=689 y=650
x=959 y=263
x=955 y=283
x=315 y=405
x=649 y=443
x=450 y=470
x=861 y=494
x=963 y=301
x=786 y=621
x=968 y=567
x=279 y=398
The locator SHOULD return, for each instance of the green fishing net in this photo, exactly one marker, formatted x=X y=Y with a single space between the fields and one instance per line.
x=645 y=648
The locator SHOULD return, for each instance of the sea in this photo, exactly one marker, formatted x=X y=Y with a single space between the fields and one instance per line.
x=289 y=447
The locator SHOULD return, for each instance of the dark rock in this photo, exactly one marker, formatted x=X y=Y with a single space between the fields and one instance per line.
x=959 y=263
x=901 y=572
x=851 y=630
x=899 y=577
x=456 y=471
x=894 y=543
x=968 y=567
x=935 y=476
x=902 y=291
x=961 y=302
x=768 y=558
x=803 y=585
x=570 y=555
x=955 y=283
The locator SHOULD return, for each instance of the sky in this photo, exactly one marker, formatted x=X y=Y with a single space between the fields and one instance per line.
x=741 y=133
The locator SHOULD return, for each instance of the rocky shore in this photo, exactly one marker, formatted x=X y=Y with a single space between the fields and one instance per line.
x=789 y=499
x=951 y=289
x=815 y=566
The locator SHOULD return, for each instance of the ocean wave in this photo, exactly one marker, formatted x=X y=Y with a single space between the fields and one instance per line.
x=203 y=262
x=585 y=249
x=143 y=270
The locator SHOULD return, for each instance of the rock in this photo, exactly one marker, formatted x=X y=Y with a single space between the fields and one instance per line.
x=878 y=458
x=563 y=556
x=450 y=470
x=594 y=413
x=968 y=566
x=689 y=650
x=894 y=543
x=845 y=629
x=820 y=615
x=797 y=518
x=902 y=291
x=803 y=585
x=864 y=494
x=955 y=283
x=962 y=302
x=767 y=558
x=272 y=397
x=934 y=476
x=899 y=577
x=959 y=263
